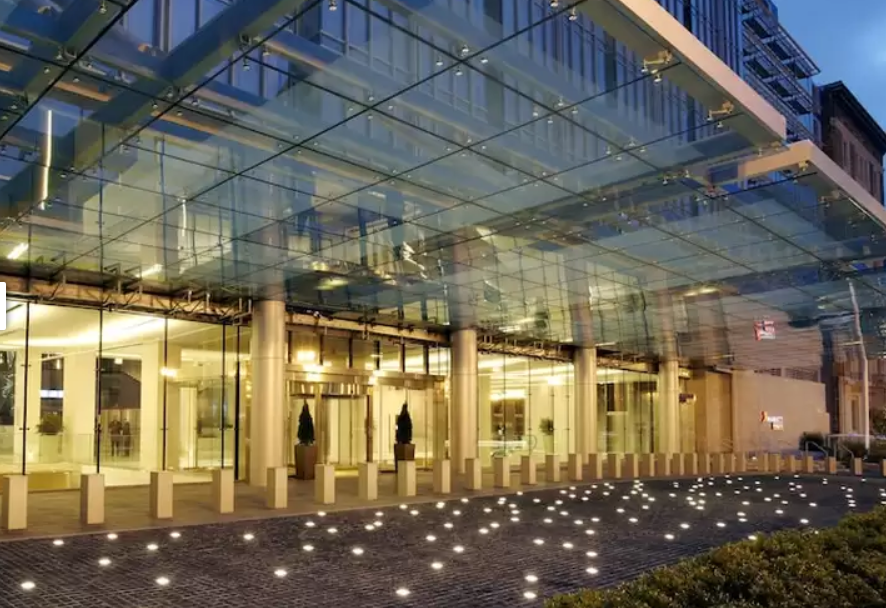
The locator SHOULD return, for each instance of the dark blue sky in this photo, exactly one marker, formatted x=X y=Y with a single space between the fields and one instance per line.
x=846 y=40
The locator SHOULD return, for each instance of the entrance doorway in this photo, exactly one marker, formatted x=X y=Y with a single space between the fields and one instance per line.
x=355 y=415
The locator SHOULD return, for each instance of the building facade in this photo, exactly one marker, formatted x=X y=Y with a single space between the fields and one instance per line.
x=546 y=227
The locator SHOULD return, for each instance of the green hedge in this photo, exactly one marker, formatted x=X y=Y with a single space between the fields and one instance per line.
x=844 y=566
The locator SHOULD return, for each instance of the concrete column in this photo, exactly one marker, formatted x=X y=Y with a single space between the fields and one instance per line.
x=367 y=480
x=324 y=483
x=78 y=405
x=552 y=468
x=406 y=479
x=667 y=408
x=595 y=466
x=463 y=372
x=14 y=502
x=159 y=369
x=268 y=361
x=92 y=499
x=161 y=494
x=585 y=366
x=473 y=474
x=276 y=488
x=527 y=471
x=574 y=466
x=442 y=476
x=223 y=490
x=613 y=466
x=501 y=472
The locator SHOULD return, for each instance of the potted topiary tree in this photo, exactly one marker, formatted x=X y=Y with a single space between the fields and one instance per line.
x=50 y=428
x=305 y=450
x=403 y=448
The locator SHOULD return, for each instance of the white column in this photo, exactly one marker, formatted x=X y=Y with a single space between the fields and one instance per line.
x=34 y=372
x=667 y=409
x=268 y=358
x=585 y=402
x=78 y=405
x=463 y=370
x=155 y=362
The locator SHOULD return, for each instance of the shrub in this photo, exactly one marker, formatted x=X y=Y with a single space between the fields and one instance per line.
x=50 y=424
x=404 y=426
x=305 y=431
x=841 y=567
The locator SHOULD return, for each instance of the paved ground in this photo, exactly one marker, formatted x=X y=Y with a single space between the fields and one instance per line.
x=481 y=552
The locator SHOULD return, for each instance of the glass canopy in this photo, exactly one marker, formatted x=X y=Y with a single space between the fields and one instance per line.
x=509 y=165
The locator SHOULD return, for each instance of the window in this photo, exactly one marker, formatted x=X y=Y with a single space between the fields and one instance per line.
x=182 y=15
x=141 y=21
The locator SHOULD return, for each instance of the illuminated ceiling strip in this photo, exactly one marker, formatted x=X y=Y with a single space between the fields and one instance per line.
x=648 y=29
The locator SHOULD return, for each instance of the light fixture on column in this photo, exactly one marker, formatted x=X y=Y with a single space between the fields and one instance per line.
x=102 y=7
x=554 y=3
x=333 y=5
x=572 y=14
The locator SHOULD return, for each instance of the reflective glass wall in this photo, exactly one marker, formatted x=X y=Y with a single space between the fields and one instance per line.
x=84 y=390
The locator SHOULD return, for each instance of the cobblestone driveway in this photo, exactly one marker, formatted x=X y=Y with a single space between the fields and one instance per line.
x=477 y=553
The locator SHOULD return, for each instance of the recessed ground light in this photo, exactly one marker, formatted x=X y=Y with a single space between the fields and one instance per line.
x=104 y=561
x=357 y=550
x=539 y=541
x=458 y=549
x=153 y=547
x=403 y=592
x=531 y=578
x=58 y=542
x=437 y=565
x=530 y=595
x=592 y=570
x=248 y=536
x=175 y=534
x=112 y=536
x=162 y=581
x=307 y=548
x=28 y=585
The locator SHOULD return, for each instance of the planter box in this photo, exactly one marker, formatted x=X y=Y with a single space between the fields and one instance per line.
x=404 y=451
x=305 y=461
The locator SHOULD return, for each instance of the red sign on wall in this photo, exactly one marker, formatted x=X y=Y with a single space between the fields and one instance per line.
x=764 y=330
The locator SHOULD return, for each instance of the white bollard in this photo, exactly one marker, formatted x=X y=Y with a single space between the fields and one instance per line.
x=741 y=462
x=647 y=465
x=15 y=502
x=442 y=476
x=92 y=499
x=663 y=464
x=276 y=488
x=406 y=478
x=552 y=468
x=704 y=464
x=501 y=472
x=574 y=467
x=595 y=466
x=528 y=471
x=324 y=484
x=367 y=481
x=613 y=466
x=690 y=464
x=223 y=490
x=161 y=494
x=473 y=474
x=631 y=466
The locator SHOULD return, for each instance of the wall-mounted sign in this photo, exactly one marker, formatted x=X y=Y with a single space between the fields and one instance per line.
x=776 y=423
x=764 y=330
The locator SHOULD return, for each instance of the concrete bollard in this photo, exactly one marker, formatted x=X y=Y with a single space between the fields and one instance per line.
x=883 y=468
x=15 y=502
x=406 y=484
x=774 y=463
x=276 y=488
x=552 y=468
x=831 y=465
x=678 y=464
x=324 y=484
x=808 y=464
x=690 y=464
x=741 y=463
x=367 y=481
x=528 y=471
x=473 y=474
x=574 y=467
x=857 y=467
x=222 y=490
x=595 y=467
x=718 y=466
x=647 y=465
x=631 y=466
x=442 y=476
x=501 y=472
x=704 y=464
x=790 y=464
x=92 y=499
x=161 y=494
x=613 y=466
x=663 y=465
x=728 y=463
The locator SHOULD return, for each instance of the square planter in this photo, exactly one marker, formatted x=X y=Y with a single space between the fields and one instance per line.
x=305 y=461
x=404 y=451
